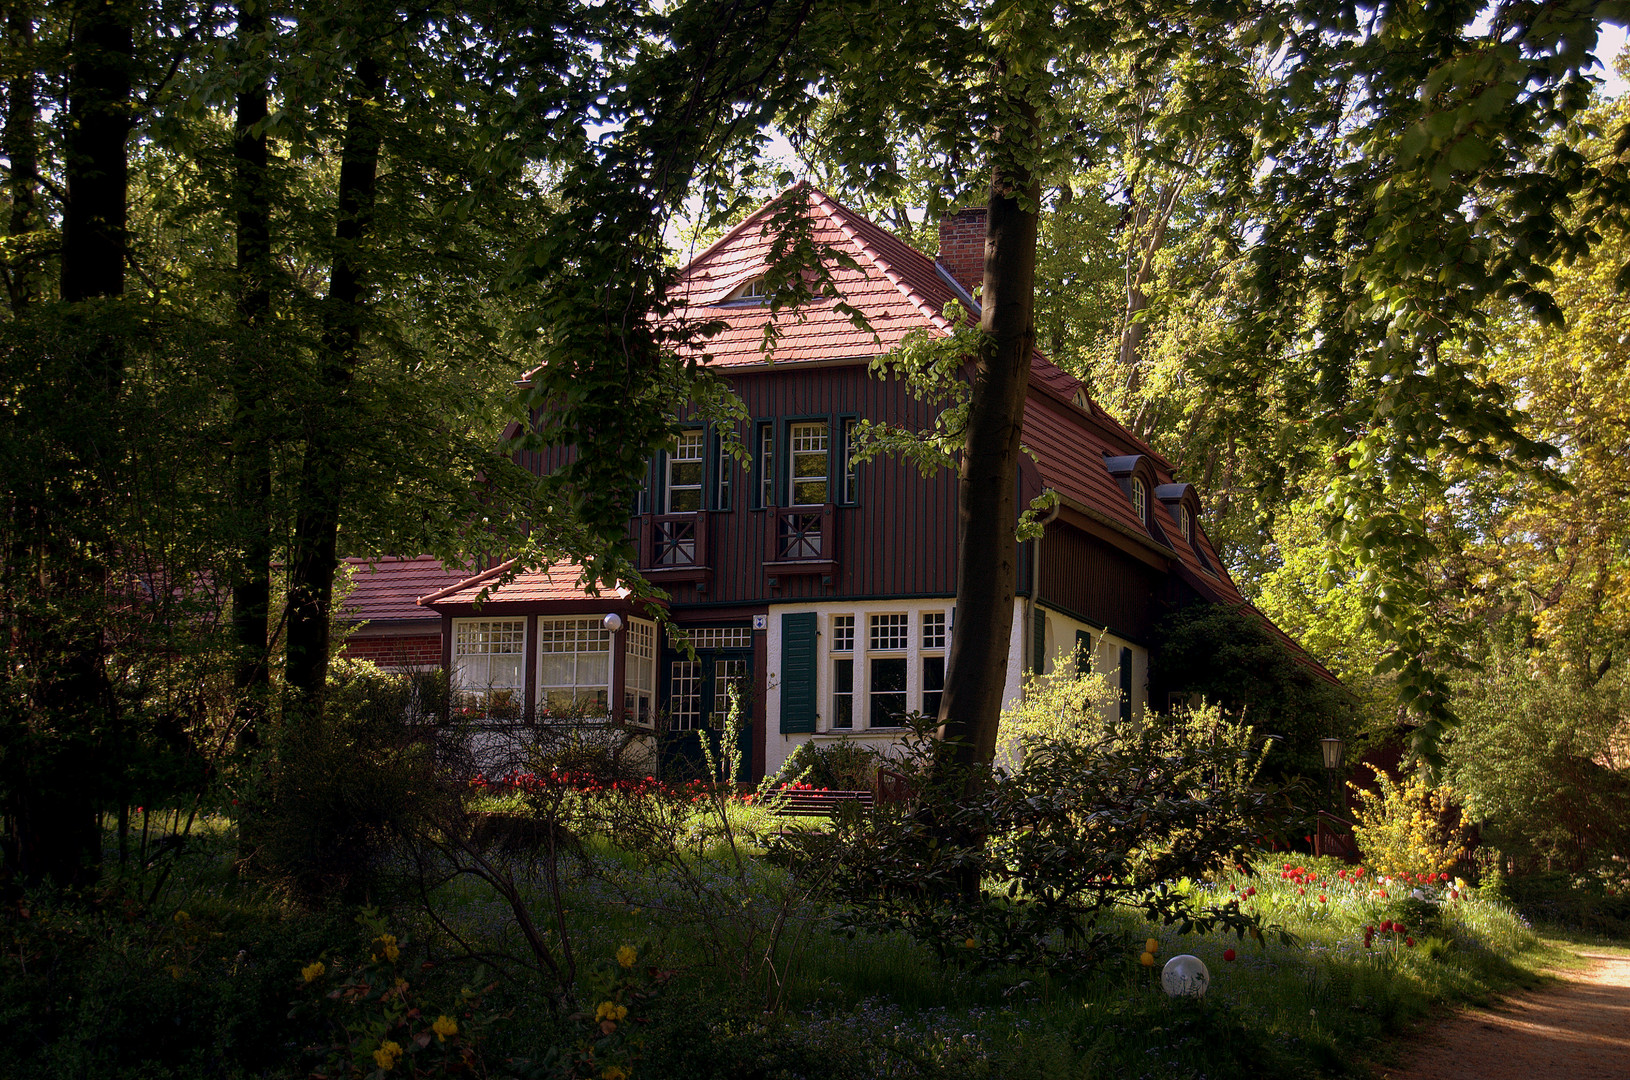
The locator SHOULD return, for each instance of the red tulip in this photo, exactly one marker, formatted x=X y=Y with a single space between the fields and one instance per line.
x=1228 y=954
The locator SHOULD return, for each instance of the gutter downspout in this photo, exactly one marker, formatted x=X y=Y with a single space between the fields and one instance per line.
x=1035 y=574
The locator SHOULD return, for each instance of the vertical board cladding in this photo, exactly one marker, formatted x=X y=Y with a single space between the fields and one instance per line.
x=1086 y=575
x=1038 y=641
x=897 y=539
x=798 y=662
x=1126 y=683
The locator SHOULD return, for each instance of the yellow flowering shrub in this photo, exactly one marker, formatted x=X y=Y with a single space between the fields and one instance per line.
x=1400 y=827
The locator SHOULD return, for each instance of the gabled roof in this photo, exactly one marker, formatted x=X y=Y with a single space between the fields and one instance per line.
x=900 y=290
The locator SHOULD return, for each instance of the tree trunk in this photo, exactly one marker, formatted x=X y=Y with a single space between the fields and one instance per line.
x=251 y=449
x=987 y=509
x=74 y=726
x=22 y=150
x=322 y=473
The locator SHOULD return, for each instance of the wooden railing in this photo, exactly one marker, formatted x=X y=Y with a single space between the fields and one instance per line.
x=673 y=541
x=801 y=535
x=1334 y=836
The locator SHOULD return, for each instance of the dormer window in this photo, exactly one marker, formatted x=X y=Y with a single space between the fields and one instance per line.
x=752 y=292
x=1140 y=500
x=1184 y=524
x=1081 y=401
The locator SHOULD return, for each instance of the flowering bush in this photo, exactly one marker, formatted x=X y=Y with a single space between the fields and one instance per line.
x=1403 y=829
x=378 y=1027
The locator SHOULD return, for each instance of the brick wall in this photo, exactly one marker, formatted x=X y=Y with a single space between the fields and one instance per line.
x=418 y=650
x=962 y=246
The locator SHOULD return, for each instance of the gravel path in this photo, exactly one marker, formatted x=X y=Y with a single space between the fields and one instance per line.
x=1577 y=1030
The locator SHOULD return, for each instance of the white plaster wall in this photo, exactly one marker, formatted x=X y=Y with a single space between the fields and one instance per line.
x=1106 y=648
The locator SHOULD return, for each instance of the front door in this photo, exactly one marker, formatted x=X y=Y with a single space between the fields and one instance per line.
x=696 y=696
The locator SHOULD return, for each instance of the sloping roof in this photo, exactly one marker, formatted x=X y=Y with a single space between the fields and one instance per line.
x=900 y=289
x=385 y=589
x=556 y=582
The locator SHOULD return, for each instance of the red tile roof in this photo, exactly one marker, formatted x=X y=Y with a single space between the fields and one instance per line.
x=385 y=589
x=556 y=582
x=900 y=289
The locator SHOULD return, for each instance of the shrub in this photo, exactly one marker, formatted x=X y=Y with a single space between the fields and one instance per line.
x=329 y=792
x=840 y=766
x=1016 y=867
x=1405 y=828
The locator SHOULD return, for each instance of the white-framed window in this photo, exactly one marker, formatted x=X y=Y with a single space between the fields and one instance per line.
x=1185 y=524
x=574 y=667
x=1140 y=500
x=932 y=662
x=728 y=672
x=887 y=668
x=851 y=477
x=684 y=480
x=843 y=671
x=684 y=695
x=726 y=471
x=716 y=637
x=807 y=452
x=766 y=464
x=488 y=655
x=752 y=292
x=639 y=672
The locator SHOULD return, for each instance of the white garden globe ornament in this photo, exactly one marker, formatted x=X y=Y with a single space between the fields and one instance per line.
x=1185 y=976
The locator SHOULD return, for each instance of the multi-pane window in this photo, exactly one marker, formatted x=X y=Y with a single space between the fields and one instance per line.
x=684 y=487
x=685 y=695
x=843 y=672
x=717 y=637
x=766 y=464
x=726 y=469
x=1184 y=524
x=754 y=291
x=640 y=673
x=889 y=632
x=933 y=661
x=487 y=658
x=851 y=479
x=843 y=633
x=807 y=448
x=1140 y=501
x=574 y=667
x=728 y=674
x=886 y=675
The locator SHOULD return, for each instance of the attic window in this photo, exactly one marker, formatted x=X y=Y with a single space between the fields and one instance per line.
x=1185 y=525
x=1140 y=501
x=750 y=292
x=1081 y=401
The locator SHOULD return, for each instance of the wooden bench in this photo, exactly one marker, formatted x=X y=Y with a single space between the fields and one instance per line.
x=818 y=803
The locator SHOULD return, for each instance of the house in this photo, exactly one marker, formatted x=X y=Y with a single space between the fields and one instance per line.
x=825 y=587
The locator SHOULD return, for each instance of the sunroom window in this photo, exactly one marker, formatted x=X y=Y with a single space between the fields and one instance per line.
x=487 y=658
x=574 y=667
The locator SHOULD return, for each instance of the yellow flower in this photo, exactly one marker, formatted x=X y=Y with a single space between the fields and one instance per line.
x=619 y=1012
x=385 y=946
x=443 y=1027
x=385 y=1057
x=313 y=972
x=606 y=1009
x=1147 y=959
x=970 y=944
x=627 y=955
x=1151 y=946
x=614 y=1072
x=181 y=918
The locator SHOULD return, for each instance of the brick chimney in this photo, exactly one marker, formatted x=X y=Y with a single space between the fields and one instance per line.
x=962 y=246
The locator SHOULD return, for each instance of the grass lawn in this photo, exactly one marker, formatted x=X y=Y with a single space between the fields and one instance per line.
x=201 y=981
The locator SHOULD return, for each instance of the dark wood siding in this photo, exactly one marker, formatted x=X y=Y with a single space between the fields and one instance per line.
x=1083 y=576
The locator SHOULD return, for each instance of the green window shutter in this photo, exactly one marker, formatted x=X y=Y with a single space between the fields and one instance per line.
x=1038 y=641
x=798 y=653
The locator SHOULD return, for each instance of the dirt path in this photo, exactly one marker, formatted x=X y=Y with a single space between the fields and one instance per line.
x=1576 y=1030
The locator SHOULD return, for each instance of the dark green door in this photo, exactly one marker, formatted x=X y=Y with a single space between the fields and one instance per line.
x=696 y=696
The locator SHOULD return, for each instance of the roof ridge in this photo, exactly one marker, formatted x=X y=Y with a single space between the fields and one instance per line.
x=498 y=570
